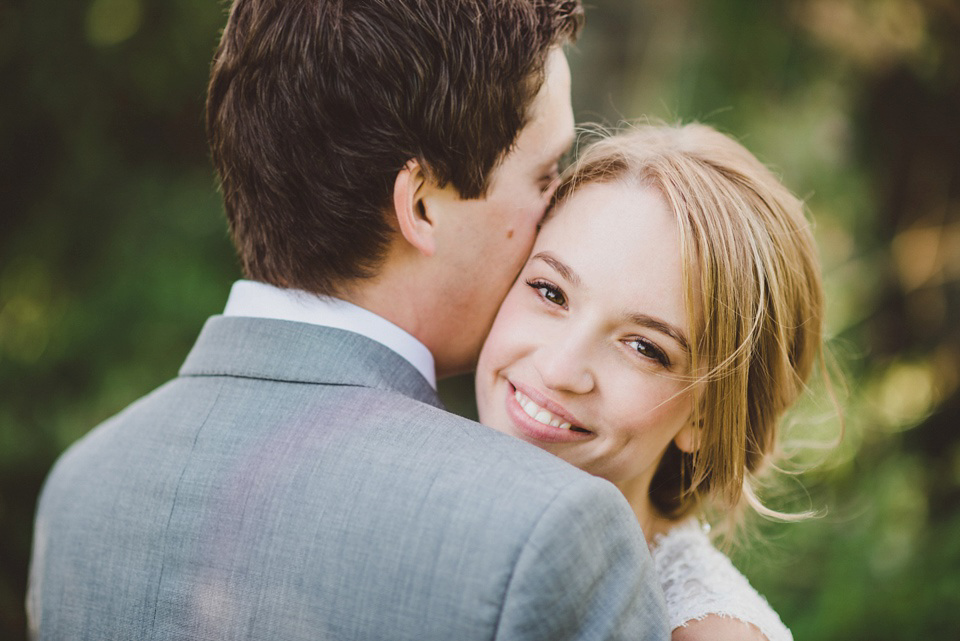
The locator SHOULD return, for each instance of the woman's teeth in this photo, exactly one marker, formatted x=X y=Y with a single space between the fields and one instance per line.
x=539 y=414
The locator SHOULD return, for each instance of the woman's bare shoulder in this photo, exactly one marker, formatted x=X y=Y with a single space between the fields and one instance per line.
x=718 y=628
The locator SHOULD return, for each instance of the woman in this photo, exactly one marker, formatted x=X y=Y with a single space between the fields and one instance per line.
x=670 y=312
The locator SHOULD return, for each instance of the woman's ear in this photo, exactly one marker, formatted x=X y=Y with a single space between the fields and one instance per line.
x=687 y=439
x=411 y=210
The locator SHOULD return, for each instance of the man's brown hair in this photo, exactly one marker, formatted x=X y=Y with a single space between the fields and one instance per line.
x=315 y=105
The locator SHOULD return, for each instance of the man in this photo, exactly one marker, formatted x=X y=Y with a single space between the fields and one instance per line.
x=384 y=166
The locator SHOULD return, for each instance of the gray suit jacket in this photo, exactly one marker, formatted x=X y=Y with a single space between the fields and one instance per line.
x=300 y=482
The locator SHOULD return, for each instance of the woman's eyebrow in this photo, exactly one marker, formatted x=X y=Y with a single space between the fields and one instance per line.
x=565 y=270
x=660 y=326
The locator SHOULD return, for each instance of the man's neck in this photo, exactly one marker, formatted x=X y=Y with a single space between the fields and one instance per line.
x=397 y=298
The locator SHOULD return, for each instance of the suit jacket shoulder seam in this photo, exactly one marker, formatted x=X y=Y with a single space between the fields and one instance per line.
x=173 y=506
x=516 y=560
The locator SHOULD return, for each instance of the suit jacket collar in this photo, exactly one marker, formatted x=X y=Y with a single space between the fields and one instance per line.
x=301 y=353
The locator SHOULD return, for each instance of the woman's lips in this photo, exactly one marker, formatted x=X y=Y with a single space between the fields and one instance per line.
x=539 y=419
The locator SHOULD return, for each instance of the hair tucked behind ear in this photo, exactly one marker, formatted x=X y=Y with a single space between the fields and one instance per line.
x=752 y=271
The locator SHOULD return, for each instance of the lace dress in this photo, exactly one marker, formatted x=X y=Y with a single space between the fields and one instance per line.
x=698 y=580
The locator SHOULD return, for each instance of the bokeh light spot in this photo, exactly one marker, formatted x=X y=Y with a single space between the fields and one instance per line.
x=905 y=394
x=110 y=22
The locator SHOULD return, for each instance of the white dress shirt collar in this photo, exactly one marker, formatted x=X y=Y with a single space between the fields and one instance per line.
x=259 y=300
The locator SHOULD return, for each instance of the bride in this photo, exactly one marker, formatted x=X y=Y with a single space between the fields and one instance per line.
x=669 y=313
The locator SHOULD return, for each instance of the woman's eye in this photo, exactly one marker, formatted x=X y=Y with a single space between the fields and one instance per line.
x=549 y=293
x=649 y=350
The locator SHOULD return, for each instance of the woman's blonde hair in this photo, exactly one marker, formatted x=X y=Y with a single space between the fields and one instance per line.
x=752 y=271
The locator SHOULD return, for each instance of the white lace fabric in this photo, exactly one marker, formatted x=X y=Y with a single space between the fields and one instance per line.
x=698 y=581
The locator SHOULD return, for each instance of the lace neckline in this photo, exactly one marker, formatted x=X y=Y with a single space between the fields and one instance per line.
x=698 y=581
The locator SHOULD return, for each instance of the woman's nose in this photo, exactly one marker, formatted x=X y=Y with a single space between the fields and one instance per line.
x=565 y=365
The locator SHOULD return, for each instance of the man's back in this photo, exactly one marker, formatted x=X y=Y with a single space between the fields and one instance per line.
x=297 y=482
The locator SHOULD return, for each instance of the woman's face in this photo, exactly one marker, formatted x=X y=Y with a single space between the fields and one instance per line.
x=588 y=355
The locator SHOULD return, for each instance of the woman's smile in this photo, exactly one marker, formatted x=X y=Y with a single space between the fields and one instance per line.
x=538 y=419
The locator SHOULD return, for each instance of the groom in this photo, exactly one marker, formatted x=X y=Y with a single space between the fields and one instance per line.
x=384 y=165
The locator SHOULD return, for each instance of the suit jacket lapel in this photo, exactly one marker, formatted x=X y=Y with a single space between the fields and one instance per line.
x=301 y=353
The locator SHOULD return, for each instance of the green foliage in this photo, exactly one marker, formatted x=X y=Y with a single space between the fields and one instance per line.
x=113 y=251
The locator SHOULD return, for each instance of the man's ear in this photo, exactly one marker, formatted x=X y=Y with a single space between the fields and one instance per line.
x=688 y=438
x=411 y=210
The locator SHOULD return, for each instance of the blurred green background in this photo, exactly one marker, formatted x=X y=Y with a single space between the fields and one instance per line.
x=113 y=251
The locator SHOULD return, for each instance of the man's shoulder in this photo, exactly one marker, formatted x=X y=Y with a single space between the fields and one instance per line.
x=392 y=434
x=473 y=476
x=462 y=443
x=358 y=448
x=351 y=490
